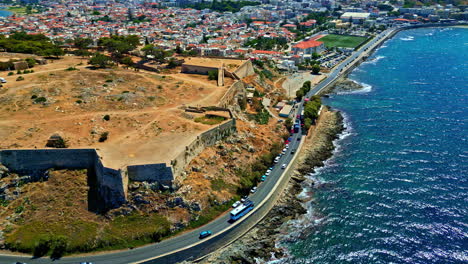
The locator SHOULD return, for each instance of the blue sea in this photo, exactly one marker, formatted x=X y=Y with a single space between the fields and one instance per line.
x=396 y=189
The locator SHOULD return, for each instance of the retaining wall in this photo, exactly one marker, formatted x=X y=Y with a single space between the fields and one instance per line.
x=110 y=184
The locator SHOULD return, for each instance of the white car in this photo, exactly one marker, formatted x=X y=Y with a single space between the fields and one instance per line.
x=277 y=160
x=267 y=172
x=254 y=189
x=234 y=205
x=2 y=80
x=287 y=146
x=284 y=166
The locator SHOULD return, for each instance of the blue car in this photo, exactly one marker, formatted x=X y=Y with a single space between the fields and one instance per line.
x=263 y=178
x=205 y=234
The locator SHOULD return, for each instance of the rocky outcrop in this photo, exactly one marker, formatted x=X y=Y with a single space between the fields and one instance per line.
x=259 y=242
x=343 y=85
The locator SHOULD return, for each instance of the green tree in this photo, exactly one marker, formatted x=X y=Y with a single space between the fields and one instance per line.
x=82 y=43
x=299 y=94
x=127 y=61
x=315 y=69
x=100 y=60
x=307 y=124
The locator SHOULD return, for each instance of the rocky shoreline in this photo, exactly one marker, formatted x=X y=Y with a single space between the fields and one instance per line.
x=258 y=245
x=342 y=85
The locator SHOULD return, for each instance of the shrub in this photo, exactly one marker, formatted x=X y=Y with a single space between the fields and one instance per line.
x=33 y=96
x=109 y=80
x=104 y=136
x=106 y=117
x=42 y=246
x=71 y=69
x=20 y=78
x=19 y=209
x=11 y=73
x=213 y=75
x=31 y=62
x=31 y=71
x=25 y=71
x=41 y=99
x=59 y=246
x=18 y=72
x=78 y=101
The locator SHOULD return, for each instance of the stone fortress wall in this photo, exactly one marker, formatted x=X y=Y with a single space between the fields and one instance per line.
x=206 y=139
x=110 y=184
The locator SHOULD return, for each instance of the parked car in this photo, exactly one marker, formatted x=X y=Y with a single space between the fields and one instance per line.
x=205 y=234
x=268 y=172
x=287 y=146
x=244 y=199
x=2 y=80
x=234 y=205
x=276 y=160
x=284 y=166
x=254 y=189
x=293 y=151
x=263 y=178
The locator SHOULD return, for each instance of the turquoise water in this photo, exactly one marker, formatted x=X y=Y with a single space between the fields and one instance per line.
x=4 y=13
x=396 y=190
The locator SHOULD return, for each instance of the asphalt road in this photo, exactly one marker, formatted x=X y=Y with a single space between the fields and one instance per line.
x=188 y=245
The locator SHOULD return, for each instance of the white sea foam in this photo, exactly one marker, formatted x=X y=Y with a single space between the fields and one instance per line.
x=295 y=228
x=365 y=89
x=409 y=38
x=374 y=60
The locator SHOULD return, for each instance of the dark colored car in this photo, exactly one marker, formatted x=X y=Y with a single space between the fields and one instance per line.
x=205 y=234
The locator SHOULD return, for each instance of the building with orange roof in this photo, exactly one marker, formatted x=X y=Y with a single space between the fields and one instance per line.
x=308 y=47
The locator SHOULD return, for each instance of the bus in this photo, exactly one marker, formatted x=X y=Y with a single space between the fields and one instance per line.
x=241 y=210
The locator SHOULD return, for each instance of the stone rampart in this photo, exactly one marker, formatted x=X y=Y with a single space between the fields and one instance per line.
x=158 y=172
x=246 y=69
x=208 y=138
x=228 y=98
x=109 y=183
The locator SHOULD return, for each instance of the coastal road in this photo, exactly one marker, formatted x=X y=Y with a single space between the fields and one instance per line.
x=181 y=247
x=188 y=245
x=343 y=66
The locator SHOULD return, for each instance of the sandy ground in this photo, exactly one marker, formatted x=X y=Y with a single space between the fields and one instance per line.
x=295 y=81
x=147 y=123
